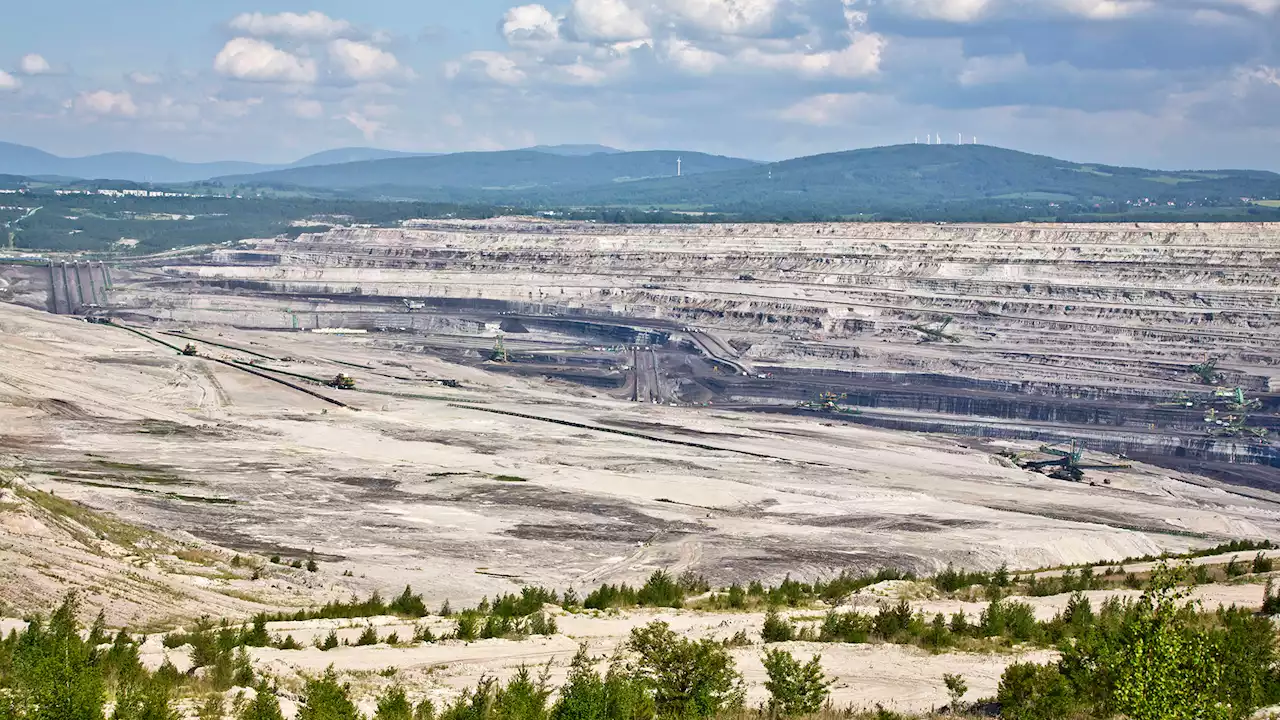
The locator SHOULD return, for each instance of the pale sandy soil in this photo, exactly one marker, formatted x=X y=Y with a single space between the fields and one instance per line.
x=401 y=488
x=899 y=677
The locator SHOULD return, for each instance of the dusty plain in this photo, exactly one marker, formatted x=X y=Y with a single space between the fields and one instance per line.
x=643 y=411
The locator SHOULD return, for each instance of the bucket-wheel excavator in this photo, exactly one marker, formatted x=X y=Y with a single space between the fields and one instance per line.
x=1062 y=463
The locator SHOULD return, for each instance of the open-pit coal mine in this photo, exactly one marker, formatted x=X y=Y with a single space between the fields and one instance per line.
x=1035 y=332
x=749 y=399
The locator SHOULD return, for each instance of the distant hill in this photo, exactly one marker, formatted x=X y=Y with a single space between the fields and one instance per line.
x=350 y=155
x=575 y=150
x=139 y=167
x=906 y=177
x=902 y=181
x=487 y=173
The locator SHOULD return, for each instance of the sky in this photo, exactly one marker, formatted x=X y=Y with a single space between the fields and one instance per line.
x=1158 y=83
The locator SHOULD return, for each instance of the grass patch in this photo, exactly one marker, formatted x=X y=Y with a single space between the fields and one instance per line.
x=102 y=526
x=509 y=478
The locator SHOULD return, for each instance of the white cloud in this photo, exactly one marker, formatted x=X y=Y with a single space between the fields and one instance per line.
x=530 y=24
x=861 y=58
x=1261 y=7
x=608 y=21
x=688 y=58
x=966 y=11
x=307 y=109
x=492 y=65
x=368 y=127
x=9 y=82
x=138 y=78
x=725 y=17
x=260 y=61
x=33 y=64
x=362 y=61
x=105 y=103
x=313 y=25
x=827 y=109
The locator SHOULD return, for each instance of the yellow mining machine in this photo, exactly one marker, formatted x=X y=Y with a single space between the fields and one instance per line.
x=343 y=381
x=829 y=402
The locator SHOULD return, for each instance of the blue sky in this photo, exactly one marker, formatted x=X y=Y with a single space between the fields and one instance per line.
x=1168 y=83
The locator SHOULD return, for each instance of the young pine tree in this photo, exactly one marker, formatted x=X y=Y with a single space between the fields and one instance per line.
x=324 y=698
x=264 y=705
x=794 y=689
x=394 y=705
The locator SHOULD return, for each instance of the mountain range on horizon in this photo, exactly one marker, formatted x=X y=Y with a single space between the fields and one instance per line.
x=23 y=160
x=902 y=181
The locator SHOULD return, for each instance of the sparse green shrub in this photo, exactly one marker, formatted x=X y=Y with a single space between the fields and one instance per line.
x=794 y=689
x=288 y=643
x=1261 y=564
x=688 y=679
x=264 y=706
x=542 y=624
x=937 y=637
x=1270 y=599
x=1200 y=575
x=211 y=708
x=242 y=669
x=524 y=697
x=660 y=590
x=1034 y=692
x=423 y=634
x=692 y=583
x=956 y=689
x=582 y=697
x=368 y=636
x=777 y=628
x=530 y=600
x=393 y=704
x=468 y=627
x=324 y=698
x=846 y=627
x=893 y=619
x=408 y=604
x=330 y=641
x=392 y=639
x=257 y=636
x=1234 y=568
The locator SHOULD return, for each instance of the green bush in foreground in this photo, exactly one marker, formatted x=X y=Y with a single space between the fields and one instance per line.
x=1155 y=659
x=687 y=678
x=794 y=689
